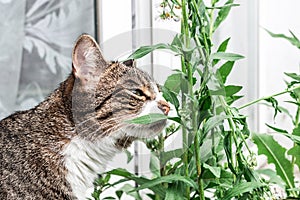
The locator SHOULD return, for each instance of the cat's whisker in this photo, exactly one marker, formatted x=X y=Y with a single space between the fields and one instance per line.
x=123 y=148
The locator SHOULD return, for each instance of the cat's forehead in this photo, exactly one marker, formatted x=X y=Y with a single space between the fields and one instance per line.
x=131 y=75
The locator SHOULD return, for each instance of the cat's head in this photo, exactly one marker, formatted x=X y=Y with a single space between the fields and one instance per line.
x=108 y=94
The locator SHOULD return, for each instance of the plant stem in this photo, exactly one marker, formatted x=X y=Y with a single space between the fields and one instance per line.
x=296 y=122
x=184 y=68
x=211 y=18
x=233 y=130
x=268 y=97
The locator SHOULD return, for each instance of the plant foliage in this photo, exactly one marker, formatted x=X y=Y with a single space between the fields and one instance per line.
x=215 y=161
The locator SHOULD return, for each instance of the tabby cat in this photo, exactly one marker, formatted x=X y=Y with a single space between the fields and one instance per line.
x=57 y=149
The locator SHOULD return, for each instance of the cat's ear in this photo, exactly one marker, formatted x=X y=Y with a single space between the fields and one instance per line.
x=87 y=59
x=130 y=63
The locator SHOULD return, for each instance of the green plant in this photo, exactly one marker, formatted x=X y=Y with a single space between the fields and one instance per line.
x=268 y=146
x=215 y=160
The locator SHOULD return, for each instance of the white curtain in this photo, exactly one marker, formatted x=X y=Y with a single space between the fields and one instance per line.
x=36 y=38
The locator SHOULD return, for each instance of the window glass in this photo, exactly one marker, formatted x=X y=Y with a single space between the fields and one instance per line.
x=36 y=45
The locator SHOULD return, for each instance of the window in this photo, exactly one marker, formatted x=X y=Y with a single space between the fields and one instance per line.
x=36 y=44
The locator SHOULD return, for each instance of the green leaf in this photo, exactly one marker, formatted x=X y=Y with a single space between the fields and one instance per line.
x=232 y=99
x=225 y=70
x=296 y=131
x=219 y=92
x=127 y=188
x=147 y=119
x=173 y=83
x=168 y=155
x=222 y=48
x=154 y=165
x=294 y=138
x=109 y=198
x=232 y=89
x=177 y=41
x=168 y=179
x=274 y=104
x=213 y=122
x=220 y=7
x=275 y=154
x=226 y=56
x=295 y=152
x=222 y=14
x=170 y=97
x=129 y=155
x=139 y=180
x=223 y=45
x=142 y=51
x=216 y=171
x=274 y=178
x=293 y=40
x=276 y=129
x=293 y=76
x=173 y=194
x=119 y=193
x=241 y=188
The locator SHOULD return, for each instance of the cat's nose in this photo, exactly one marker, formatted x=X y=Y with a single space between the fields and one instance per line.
x=164 y=106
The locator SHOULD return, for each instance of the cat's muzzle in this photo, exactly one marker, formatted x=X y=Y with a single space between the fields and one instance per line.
x=163 y=106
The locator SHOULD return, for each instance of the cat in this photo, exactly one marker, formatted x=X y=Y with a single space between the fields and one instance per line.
x=57 y=149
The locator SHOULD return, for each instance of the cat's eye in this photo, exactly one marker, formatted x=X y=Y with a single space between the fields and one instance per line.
x=138 y=92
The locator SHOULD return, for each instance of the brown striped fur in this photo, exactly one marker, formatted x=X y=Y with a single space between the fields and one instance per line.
x=90 y=104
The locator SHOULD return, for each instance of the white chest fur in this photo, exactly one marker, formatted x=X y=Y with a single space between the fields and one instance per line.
x=84 y=160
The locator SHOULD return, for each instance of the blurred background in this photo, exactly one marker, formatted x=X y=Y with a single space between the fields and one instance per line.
x=36 y=38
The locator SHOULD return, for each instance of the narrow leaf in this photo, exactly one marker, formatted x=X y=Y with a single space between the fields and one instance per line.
x=274 y=178
x=276 y=129
x=294 y=138
x=241 y=188
x=226 y=5
x=275 y=154
x=226 y=56
x=222 y=14
x=225 y=70
x=232 y=99
x=222 y=48
x=293 y=40
x=142 y=51
x=216 y=171
x=293 y=76
x=232 y=89
x=139 y=180
x=213 y=122
x=168 y=179
x=127 y=188
x=147 y=119
x=223 y=45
